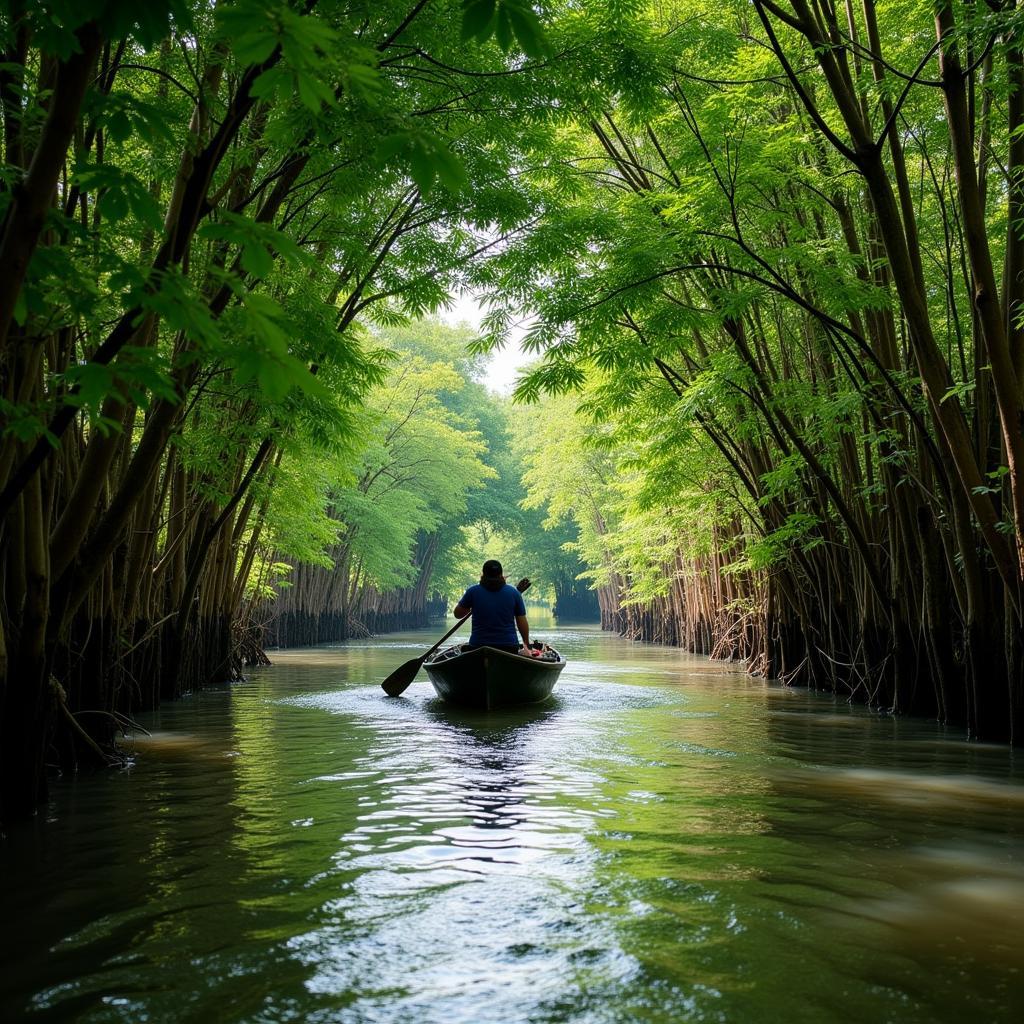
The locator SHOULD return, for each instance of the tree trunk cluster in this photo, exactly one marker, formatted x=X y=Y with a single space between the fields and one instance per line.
x=326 y=604
x=152 y=378
x=875 y=441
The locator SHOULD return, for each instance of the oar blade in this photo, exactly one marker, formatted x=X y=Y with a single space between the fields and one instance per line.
x=398 y=682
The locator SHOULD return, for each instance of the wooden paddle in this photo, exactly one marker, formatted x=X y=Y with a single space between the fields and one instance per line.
x=398 y=682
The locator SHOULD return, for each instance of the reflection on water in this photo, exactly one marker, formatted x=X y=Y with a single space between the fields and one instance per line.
x=663 y=841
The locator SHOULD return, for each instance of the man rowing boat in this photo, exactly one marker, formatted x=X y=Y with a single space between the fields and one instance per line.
x=497 y=609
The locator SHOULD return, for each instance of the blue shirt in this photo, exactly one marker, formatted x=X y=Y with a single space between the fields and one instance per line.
x=494 y=614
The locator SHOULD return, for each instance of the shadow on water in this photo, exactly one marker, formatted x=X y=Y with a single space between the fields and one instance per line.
x=499 y=728
x=492 y=747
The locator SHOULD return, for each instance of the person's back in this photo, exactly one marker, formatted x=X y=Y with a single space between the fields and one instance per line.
x=494 y=615
x=497 y=609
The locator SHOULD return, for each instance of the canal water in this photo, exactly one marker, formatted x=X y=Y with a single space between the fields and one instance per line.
x=666 y=840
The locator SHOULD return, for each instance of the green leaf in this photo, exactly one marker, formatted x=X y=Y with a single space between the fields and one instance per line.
x=423 y=168
x=148 y=22
x=114 y=205
x=527 y=27
x=271 y=83
x=125 y=112
x=308 y=33
x=313 y=91
x=56 y=39
x=477 y=19
x=181 y=309
x=959 y=391
x=20 y=308
x=93 y=382
x=259 y=242
x=251 y=28
x=119 y=126
x=392 y=145
x=120 y=192
x=450 y=170
x=503 y=29
x=257 y=260
x=144 y=376
x=254 y=47
x=365 y=80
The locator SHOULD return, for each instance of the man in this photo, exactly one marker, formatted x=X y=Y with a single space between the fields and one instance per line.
x=497 y=610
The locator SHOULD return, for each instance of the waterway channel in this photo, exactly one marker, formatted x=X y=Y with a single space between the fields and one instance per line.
x=667 y=840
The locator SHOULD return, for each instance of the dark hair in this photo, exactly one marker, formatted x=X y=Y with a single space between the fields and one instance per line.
x=492 y=578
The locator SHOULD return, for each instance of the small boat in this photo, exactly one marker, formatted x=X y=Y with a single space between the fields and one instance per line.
x=488 y=678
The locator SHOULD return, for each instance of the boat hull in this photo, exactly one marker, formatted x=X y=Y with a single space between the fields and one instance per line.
x=488 y=678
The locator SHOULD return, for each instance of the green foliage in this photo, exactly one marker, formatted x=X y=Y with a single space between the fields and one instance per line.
x=122 y=193
x=254 y=195
x=709 y=298
x=419 y=462
x=55 y=22
x=428 y=160
x=505 y=20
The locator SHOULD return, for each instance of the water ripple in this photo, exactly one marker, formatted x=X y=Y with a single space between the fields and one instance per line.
x=664 y=841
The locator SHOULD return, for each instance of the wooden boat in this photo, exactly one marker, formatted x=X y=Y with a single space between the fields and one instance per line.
x=488 y=678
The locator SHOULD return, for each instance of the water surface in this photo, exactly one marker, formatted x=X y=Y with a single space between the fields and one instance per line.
x=666 y=840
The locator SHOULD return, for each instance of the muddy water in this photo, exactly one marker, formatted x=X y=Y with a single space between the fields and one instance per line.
x=665 y=841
